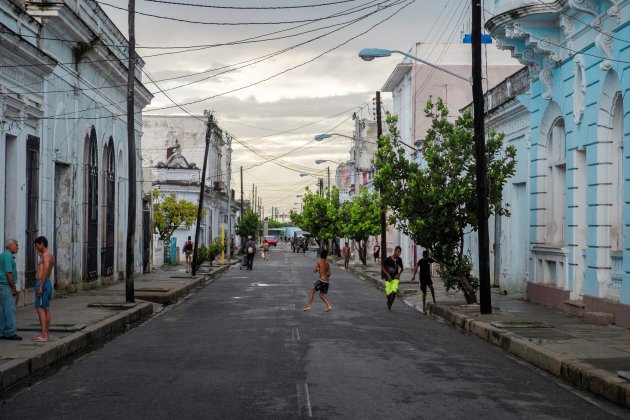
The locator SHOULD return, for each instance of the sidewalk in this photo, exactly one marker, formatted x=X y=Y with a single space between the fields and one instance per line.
x=82 y=319
x=591 y=357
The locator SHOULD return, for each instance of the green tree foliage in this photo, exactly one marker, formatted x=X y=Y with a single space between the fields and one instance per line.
x=296 y=218
x=248 y=225
x=361 y=218
x=436 y=203
x=320 y=215
x=274 y=224
x=169 y=213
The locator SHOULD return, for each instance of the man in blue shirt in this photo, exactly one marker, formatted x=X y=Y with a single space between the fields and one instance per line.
x=8 y=291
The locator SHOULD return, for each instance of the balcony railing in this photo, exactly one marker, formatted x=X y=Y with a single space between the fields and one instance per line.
x=498 y=7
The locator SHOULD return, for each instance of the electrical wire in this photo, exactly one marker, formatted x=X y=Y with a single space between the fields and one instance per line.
x=251 y=7
x=195 y=22
x=405 y=4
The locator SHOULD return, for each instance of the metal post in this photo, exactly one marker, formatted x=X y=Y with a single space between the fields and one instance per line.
x=131 y=155
x=485 y=305
x=328 y=170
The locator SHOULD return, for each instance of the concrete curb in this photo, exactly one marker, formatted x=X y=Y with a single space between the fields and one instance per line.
x=172 y=296
x=48 y=354
x=579 y=374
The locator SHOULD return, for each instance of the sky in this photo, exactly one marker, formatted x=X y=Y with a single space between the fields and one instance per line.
x=291 y=71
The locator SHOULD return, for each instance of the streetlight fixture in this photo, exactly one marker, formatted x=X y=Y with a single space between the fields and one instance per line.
x=369 y=54
x=324 y=136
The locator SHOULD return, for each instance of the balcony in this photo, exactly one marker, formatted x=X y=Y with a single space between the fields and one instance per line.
x=498 y=7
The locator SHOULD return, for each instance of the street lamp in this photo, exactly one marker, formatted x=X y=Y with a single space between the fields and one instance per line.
x=320 y=137
x=369 y=54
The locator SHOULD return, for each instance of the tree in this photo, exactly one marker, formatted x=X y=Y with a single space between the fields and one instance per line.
x=361 y=218
x=436 y=204
x=248 y=225
x=320 y=215
x=169 y=213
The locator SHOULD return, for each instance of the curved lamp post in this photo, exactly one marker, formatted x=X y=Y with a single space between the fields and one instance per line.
x=369 y=54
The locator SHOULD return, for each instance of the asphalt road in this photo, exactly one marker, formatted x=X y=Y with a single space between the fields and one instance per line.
x=242 y=348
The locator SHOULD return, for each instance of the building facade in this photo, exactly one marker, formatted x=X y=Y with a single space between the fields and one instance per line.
x=173 y=153
x=63 y=76
x=578 y=108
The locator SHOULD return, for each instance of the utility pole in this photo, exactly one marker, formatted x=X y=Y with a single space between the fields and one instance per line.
x=242 y=214
x=485 y=304
x=328 y=170
x=209 y=127
x=131 y=155
x=379 y=132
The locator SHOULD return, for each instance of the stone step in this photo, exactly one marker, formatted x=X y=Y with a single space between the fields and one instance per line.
x=599 y=318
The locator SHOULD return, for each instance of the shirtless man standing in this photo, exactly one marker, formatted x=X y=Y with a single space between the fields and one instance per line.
x=323 y=268
x=43 y=286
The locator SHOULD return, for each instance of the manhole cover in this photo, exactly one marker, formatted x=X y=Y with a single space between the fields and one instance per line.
x=519 y=324
x=54 y=327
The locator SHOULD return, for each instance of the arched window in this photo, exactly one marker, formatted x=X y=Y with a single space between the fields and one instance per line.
x=556 y=183
x=109 y=181
x=91 y=206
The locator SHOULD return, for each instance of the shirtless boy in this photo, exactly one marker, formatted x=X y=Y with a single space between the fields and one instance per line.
x=323 y=268
x=43 y=286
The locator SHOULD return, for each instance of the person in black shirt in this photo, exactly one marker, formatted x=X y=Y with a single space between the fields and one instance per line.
x=424 y=264
x=392 y=269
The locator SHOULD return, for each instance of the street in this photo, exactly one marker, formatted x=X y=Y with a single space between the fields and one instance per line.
x=242 y=348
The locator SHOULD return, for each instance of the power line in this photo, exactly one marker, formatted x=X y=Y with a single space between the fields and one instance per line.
x=195 y=22
x=251 y=7
x=406 y=3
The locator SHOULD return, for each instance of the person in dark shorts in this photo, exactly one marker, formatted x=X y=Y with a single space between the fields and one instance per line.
x=424 y=264
x=346 y=256
x=392 y=269
x=323 y=268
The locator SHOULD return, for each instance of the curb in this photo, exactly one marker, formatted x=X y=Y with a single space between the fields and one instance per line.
x=579 y=374
x=174 y=295
x=17 y=370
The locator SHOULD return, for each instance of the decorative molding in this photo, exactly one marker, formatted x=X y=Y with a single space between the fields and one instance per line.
x=546 y=77
x=579 y=88
x=614 y=11
x=603 y=42
x=588 y=9
x=568 y=27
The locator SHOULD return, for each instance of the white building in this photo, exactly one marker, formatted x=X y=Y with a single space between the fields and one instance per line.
x=173 y=152
x=63 y=125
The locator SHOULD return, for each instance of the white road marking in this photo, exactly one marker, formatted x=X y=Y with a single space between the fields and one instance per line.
x=304 y=399
x=295 y=335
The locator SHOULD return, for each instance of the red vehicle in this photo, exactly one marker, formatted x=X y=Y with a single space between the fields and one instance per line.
x=271 y=240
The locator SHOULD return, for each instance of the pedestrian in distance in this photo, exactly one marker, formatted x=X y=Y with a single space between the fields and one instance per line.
x=392 y=269
x=43 y=286
x=424 y=264
x=346 y=256
x=8 y=290
x=323 y=268
x=377 y=252
x=250 y=249
x=266 y=250
x=188 y=250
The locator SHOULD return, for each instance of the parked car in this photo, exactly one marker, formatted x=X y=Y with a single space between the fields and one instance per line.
x=271 y=240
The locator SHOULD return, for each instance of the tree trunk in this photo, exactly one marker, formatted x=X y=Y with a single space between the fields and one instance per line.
x=467 y=289
x=363 y=251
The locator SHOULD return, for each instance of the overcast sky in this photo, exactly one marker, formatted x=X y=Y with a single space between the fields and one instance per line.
x=328 y=84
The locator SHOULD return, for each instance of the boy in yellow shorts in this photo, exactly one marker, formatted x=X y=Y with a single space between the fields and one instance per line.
x=392 y=269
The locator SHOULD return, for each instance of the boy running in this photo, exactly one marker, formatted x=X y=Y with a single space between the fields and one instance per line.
x=346 y=256
x=392 y=269
x=424 y=264
x=321 y=285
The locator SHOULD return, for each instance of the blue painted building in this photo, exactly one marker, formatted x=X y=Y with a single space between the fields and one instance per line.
x=578 y=187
